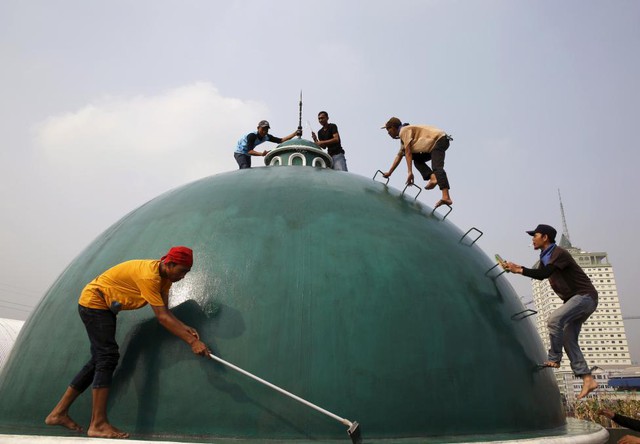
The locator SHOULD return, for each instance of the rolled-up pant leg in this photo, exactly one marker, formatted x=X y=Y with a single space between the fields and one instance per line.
x=84 y=378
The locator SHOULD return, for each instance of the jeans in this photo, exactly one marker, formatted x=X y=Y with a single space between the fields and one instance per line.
x=101 y=328
x=244 y=160
x=339 y=162
x=564 y=327
x=436 y=156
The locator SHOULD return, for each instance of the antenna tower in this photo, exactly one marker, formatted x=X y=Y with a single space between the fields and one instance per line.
x=565 y=230
x=300 y=117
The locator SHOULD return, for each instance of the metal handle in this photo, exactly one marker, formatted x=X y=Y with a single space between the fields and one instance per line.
x=469 y=231
x=486 y=273
x=523 y=314
x=374 y=177
x=412 y=185
x=446 y=214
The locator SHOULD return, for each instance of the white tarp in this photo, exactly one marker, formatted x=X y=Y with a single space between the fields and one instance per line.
x=9 y=329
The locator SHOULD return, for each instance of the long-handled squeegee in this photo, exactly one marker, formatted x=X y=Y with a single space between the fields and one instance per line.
x=354 y=427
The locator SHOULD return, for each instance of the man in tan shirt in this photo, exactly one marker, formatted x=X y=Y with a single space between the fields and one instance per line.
x=420 y=144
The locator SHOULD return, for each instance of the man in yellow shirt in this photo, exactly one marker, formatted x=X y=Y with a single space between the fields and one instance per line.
x=420 y=144
x=127 y=286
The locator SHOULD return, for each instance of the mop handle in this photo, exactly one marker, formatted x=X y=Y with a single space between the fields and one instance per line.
x=283 y=391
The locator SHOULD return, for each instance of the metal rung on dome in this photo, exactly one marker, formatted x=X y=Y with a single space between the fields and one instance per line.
x=412 y=185
x=469 y=231
x=446 y=214
x=379 y=171
x=496 y=276
x=523 y=314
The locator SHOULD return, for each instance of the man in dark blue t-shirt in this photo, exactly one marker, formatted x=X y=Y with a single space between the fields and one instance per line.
x=247 y=143
x=328 y=137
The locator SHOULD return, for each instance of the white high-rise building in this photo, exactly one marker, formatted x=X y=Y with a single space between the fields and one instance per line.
x=603 y=339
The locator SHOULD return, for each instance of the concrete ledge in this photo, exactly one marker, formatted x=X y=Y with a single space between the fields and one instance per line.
x=574 y=432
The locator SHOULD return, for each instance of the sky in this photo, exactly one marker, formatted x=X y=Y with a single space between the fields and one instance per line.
x=107 y=104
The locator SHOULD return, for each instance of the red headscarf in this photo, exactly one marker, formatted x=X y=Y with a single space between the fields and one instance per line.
x=179 y=255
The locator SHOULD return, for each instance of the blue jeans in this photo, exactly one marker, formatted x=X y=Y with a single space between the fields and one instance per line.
x=339 y=162
x=244 y=160
x=564 y=328
x=101 y=328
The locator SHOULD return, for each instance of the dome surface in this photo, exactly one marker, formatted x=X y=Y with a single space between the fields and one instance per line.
x=330 y=285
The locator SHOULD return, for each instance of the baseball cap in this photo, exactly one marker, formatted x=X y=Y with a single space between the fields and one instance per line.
x=394 y=121
x=544 y=229
x=264 y=124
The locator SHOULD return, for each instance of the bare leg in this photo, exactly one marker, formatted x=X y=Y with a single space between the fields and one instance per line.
x=446 y=199
x=100 y=427
x=588 y=385
x=60 y=413
x=432 y=182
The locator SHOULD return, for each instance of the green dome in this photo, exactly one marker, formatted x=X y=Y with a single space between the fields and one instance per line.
x=330 y=285
x=300 y=152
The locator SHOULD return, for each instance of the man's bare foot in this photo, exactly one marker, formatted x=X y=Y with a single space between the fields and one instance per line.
x=106 y=430
x=431 y=184
x=443 y=202
x=63 y=420
x=588 y=385
x=551 y=364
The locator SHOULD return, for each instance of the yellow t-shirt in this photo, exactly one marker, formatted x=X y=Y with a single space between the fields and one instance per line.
x=133 y=284
x=420 y=138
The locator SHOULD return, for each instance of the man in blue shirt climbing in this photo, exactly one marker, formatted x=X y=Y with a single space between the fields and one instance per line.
x=247 y=144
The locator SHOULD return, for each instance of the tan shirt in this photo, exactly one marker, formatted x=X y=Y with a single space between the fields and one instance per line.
x=133 y=284
x=419 y=138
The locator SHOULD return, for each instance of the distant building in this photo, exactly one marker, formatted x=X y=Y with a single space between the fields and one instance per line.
x=626 y=380
x=9 y=329
x=603 y=339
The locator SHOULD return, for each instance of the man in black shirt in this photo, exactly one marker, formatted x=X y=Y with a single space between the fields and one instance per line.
x=580 y=298
x=328 y=137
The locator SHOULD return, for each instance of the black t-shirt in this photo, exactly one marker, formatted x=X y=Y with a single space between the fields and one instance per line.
x=334 y=148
